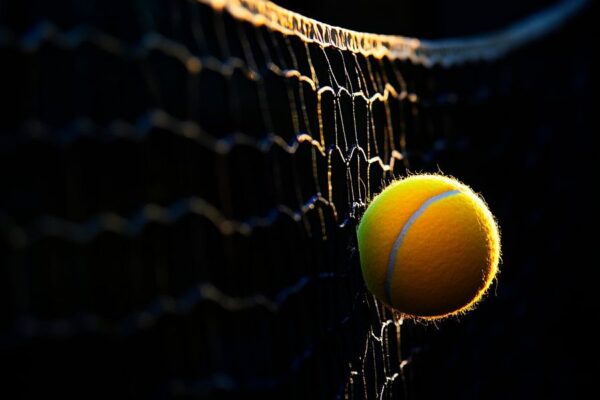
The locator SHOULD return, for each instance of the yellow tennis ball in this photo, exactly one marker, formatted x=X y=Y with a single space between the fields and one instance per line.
x=429 y=246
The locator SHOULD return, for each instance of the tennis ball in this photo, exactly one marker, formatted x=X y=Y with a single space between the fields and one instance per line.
x=429 y=247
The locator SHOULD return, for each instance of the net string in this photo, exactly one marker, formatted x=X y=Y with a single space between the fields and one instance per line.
x=51 y=226
x=380 y=90
x=118 y=129
x=445 y=52
x=369 y=83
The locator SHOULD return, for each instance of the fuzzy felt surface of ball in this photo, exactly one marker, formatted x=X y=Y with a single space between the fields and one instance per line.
x=429 y=246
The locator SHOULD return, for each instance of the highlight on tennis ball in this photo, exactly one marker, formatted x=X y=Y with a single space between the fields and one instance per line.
x=429 y=246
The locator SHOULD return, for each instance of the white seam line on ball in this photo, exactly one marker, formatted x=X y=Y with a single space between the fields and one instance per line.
x=398 y=242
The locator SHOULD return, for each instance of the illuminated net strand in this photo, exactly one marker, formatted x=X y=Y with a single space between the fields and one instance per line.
x=227 y=68
x=446 y=52
x=114 y=223
x=46 y=32
x=51 y=226
x=389 y=378
x=381 y=342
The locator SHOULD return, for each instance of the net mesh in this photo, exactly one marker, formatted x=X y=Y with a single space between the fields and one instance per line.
x=184 y=188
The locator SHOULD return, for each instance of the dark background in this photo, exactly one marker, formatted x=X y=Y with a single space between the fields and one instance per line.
x=427 y=19
x=520 y=134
